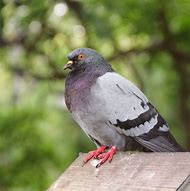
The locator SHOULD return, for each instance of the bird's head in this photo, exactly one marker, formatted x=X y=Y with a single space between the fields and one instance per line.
x=82 y=58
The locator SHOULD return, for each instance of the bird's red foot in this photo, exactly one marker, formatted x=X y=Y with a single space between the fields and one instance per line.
x=95 y=153
x=106 y=156
x=100 y=153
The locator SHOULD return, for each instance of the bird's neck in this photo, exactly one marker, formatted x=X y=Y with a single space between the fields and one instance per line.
x=78 y=84
x=85 y=77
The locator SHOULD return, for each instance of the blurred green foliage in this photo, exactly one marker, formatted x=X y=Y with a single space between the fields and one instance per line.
x=146 y=41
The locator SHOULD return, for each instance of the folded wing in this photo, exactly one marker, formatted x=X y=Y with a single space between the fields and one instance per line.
x=128 y=110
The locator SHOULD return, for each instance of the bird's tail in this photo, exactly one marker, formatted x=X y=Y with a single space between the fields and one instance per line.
x=164 y=142
x=176 y=145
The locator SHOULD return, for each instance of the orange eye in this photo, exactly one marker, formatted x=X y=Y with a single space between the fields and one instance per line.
x=81 y=56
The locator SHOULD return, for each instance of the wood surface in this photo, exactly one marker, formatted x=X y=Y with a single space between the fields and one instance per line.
x=128 y=171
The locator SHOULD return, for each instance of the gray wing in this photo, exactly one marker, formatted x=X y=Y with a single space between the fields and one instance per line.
x=128 y=110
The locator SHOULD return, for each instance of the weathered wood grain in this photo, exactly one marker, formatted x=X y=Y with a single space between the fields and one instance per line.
x=137 y=171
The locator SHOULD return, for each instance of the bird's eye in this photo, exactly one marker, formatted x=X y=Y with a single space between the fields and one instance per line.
x=81 y=56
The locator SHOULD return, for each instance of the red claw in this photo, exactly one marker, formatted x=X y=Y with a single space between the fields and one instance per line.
x=100 y=153
x=95 y=153
x=107 y=156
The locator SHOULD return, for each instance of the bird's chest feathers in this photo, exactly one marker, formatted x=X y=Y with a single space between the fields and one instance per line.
x=77 y=94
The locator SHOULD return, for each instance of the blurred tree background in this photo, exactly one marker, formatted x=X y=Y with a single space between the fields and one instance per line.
x=146 y=41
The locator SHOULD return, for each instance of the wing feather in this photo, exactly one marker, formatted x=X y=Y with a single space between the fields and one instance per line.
x=128 y=110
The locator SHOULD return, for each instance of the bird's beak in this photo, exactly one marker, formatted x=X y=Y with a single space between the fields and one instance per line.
x=68 y=65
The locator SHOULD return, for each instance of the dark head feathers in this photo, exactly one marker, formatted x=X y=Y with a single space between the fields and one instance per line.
x=88 y=52
x=86 y=58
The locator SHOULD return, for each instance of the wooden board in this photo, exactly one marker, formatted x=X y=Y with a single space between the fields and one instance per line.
x=136 y=172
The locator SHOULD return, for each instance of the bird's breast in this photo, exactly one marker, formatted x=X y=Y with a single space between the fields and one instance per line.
x=77 y=95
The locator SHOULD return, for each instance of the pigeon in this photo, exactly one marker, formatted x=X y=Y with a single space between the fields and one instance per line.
x=111 y=110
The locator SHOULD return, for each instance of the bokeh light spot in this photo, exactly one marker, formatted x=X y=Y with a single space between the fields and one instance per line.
x=60 y=9
x=35 y=27
x=79 y=31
